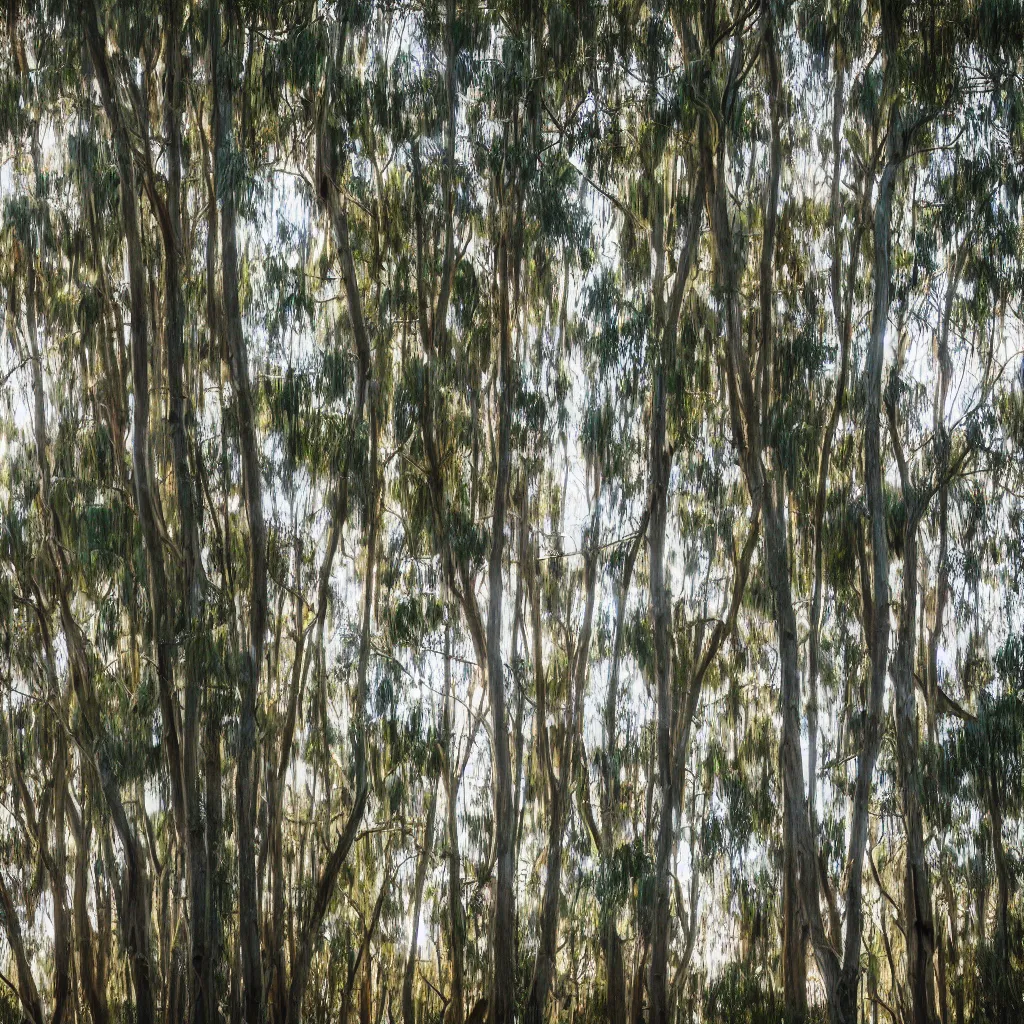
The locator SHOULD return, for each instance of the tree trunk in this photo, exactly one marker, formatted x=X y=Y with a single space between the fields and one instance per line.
x=249 y=682
x=843 y=1002
x=917 y=900
x=661 y=616
x=504 y=956
x=409 y=977
x=615 y=978
x=62 y=981
x=332 y=868
x=27 y=990
x=201 y=1008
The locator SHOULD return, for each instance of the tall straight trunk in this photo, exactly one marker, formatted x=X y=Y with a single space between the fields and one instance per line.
x=213 y=979
x=133 y=901
x=939 y=427
x=917 y=899
x=794 y=961
x=145 y=497
x=457 y=926
x=277 y=773
x=364 y=410
x=669 y=754
x=798 y=856
x=503 y=953
x=452 y=781
x=249 y=682
x=842 y=311
x=611 y=945
x=423 y=863
x=62 y=928
x=544 y=965
x=748 y=393
x=794 y=934
x=844 y=1001
x=201 y=1007
x=558 y=784
x=89 y=956
x=661 y=616
x=136 y=897
x=327 y=881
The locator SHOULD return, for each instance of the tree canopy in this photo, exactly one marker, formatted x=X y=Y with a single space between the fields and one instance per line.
x=511 y=512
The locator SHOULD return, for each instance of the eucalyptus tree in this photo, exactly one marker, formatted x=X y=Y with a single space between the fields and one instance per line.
x=459 y=461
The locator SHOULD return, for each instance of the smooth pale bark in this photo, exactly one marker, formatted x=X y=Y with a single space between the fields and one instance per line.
x=917 y=903
x=134 y=895
x=202 y=1004
x=422 y=864
x=747 y=392
x=794 y=941
x=503 y=956
x=558 y=780
x=346 y=838
x=88 y=952
x=146 y=499
x=238 y=361
x=668 y=757
x=277 y=773
x=363 y=410
x=615 y=978
x=454 y=771
x=58 y=865
x=842 y=310
x=28 y=992
x=918 y=921
x=661 y=616
x=843 y=1004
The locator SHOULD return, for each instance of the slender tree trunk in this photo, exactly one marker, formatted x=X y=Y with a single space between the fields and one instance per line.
x=57 y=863
x=748 y=392
x=145 y=496
x=843 y=1002
x=503 y=954
x=615 y=978
x=1002 y=937
x=332 y=868
x=249 y=682
x=661 y=615
x=452 y=780
x=794 y=936
x=409 y=977
x=89 y=956
x=668 y=754
x=27 y=990
x=917 y=900
x=201 y=1007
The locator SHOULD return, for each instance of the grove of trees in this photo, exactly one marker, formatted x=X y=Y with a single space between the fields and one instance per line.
x=511 y=511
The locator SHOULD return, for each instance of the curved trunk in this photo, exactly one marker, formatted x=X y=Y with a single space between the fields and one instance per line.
x=27 y=990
